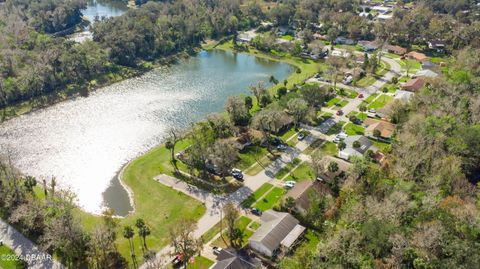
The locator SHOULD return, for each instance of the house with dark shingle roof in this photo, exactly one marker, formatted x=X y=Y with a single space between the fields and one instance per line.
x=278 y=232
x=230 y=259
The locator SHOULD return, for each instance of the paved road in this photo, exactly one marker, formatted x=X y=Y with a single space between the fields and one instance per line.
x=214 y=202
x=26 y=249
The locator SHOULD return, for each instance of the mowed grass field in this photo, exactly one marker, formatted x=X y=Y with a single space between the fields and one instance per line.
x=160 y=206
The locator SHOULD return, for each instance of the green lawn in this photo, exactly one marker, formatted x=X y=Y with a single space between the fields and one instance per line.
x=382 y=146
x=382 y=69
x=313 y=146
x=342 y=103
x=210 y=234
x=7 y=259
x=242 y=224
x=200 y=262
x=161 y=207
x=282 y=172
x=287 y=37
x=256 y=195
x=270 y=199
x=254 y=225
x=337 y=128
x=370 y=98
x=381 y=101
x=362 y=116
x=329 y=148
x=353 y=129
x=332 y=102
x=303 y=171
x=366 y=81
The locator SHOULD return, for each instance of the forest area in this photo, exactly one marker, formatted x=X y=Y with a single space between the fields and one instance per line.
x=421 y=210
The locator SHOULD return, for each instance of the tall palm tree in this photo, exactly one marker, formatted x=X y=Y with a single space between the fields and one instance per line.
x=128 y=233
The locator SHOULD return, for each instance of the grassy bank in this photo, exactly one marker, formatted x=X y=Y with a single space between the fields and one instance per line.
x=304 y=68
x=161 y=207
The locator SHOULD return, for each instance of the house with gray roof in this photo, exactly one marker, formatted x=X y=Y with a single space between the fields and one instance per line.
x=230 y=259
x=364 y=145
x=278 y=232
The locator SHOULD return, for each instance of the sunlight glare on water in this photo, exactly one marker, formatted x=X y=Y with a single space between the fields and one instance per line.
x=84 y=142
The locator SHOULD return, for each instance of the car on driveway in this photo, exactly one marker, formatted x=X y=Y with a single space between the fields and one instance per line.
x=216 y=250
x=360 y=95
x=256 y=211
x=282 y=147
x=301 y=136
x=339 y=112
x=237 y=173
x=289 y=184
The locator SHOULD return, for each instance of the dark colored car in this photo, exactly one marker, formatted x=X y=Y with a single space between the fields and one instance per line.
x=339 y=112
x=256 y=211
x=301 y=136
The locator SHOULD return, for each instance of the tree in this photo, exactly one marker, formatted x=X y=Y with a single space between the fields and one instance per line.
x=356 y=144
x=282 y=91
x=315 y=95
x=334 y=66
x=332 y=34
x=298 y=108
x=377 y=133
x=183 y=240
x=172 y=138
x=221 y=125
x=248 y=102
x=341 y=145
x=273 y=80
x=237 y=110
x=224 y=156
x=270 y=121
x=289 y=204
x=234 y=234
x=409 y=64
x=317 y=163
x=259 y=90
x=332 y=167
x=128 y=234
x=143 y=232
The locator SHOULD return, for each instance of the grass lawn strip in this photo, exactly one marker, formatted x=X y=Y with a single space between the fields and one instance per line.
x=303 y=171
x=381 y=101
x=269 y=199
x=256 y=195
x=353 y=129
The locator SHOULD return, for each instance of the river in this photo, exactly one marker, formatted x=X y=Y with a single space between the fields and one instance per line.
x=84 y=142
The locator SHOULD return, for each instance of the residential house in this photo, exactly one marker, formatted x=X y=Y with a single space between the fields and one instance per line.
x=246 y=37
x=394 y=49
x=427 y=65
x=429 y=74
x=403 y=96
x=342 y=169
x=368 y=46
x=344 y=41
x=413 y=85
x=385 y=128
x=278 y=232
x=417 y=56
x=302 y=192
x=437 y=45
x=230 y=259
x=364 y=145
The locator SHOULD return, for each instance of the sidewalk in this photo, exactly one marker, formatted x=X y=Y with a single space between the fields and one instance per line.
x=26 y=249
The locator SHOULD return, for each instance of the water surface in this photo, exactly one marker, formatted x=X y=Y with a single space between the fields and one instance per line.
x=84 y=142
x=100 y=9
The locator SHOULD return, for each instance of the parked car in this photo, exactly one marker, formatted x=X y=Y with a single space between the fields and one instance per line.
x=256 y=211
x=276 y=141
x=339 y=112
x=282 y=147
x=371 y=114
x=372 y=110
x=301 y=136
x=347 y=80
x=238 y=176
x=289 y=184
x=216 y=250
x=360 y=95
x=177 y=261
